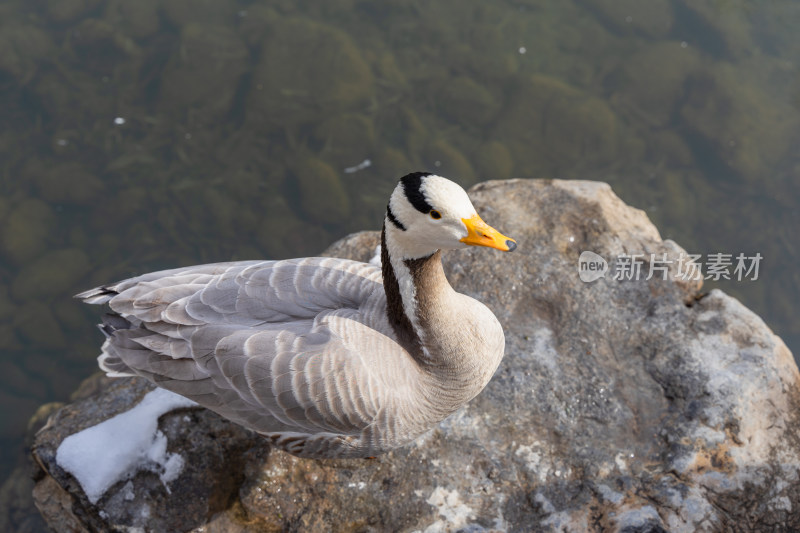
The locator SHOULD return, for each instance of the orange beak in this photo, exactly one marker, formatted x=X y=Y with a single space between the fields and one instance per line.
x=482 y=234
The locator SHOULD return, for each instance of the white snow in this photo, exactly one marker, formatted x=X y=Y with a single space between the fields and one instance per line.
x=453 y=512
x=117 y=448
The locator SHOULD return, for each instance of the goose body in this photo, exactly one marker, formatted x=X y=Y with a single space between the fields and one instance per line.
x=325 y=357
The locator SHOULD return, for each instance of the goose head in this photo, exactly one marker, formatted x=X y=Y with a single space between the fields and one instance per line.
x=427 y=213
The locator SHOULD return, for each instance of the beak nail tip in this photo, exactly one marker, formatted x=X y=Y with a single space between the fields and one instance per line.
x=511 y=245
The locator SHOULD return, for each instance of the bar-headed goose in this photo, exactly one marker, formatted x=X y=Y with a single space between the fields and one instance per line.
x=325 y=357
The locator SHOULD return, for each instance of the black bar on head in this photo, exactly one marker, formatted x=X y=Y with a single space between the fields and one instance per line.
x=393 y=219
x=412 y=186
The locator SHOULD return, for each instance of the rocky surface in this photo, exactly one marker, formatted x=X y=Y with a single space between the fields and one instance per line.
x=638 y=405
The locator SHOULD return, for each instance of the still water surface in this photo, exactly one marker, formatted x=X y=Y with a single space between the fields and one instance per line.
x=143 y=135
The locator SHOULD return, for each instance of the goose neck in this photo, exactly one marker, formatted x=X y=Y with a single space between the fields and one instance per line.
x=416 y=290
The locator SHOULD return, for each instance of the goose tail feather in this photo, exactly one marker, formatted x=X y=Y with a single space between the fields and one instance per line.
x=109 y=359
x=98 y=295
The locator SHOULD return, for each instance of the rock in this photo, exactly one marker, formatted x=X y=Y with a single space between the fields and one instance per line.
x=17 y=512
x=356 y=246
x=637 y=405
x=217 y=446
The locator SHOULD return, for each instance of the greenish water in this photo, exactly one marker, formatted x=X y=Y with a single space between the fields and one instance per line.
x=139 y=135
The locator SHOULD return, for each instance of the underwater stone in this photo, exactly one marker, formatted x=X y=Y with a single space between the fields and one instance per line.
x=489 y=57
x=388 y=163
x=549 y=126
x=7 y=306
x=737 y=122
x=409 y=129
x=726 y=27
x=16 y=410
x=389 y=73
x=322 y=196
x=36 y=324
x=99 y=47
x=274 y=232
x=62 y=11
x=204 y=70
x=651 y=84
x=54 y=273
x=8 y=337
x=443 y=158
x=306 y=71
x=18 y=514
x=16 y=381
x=653 y=18
x=120 y=209
x=256 y=24
x=666 y=146
x=223 y=214
x=64 y=310
x=182 y=12
x=137 y=19
x=67 y=183
x=345 y=140
x=493 y=161
x=26 y=230
x=467 y=102
x=5 y=207
x=21 y=50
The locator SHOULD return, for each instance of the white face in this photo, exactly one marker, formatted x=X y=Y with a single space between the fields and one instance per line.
x=424 y=232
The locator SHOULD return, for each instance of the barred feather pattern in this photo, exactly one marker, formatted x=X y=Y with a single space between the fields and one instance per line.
x=299 y=350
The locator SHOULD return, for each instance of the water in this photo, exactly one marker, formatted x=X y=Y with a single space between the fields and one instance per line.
x=143 y=135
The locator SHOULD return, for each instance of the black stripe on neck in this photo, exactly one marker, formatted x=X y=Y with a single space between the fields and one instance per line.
x=406 y=336
x=412 y=184
x=393 y=219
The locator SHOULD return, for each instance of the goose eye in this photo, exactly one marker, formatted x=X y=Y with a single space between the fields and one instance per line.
x=435 y=214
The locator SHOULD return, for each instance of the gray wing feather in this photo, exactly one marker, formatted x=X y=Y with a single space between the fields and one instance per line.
x=267 y=344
